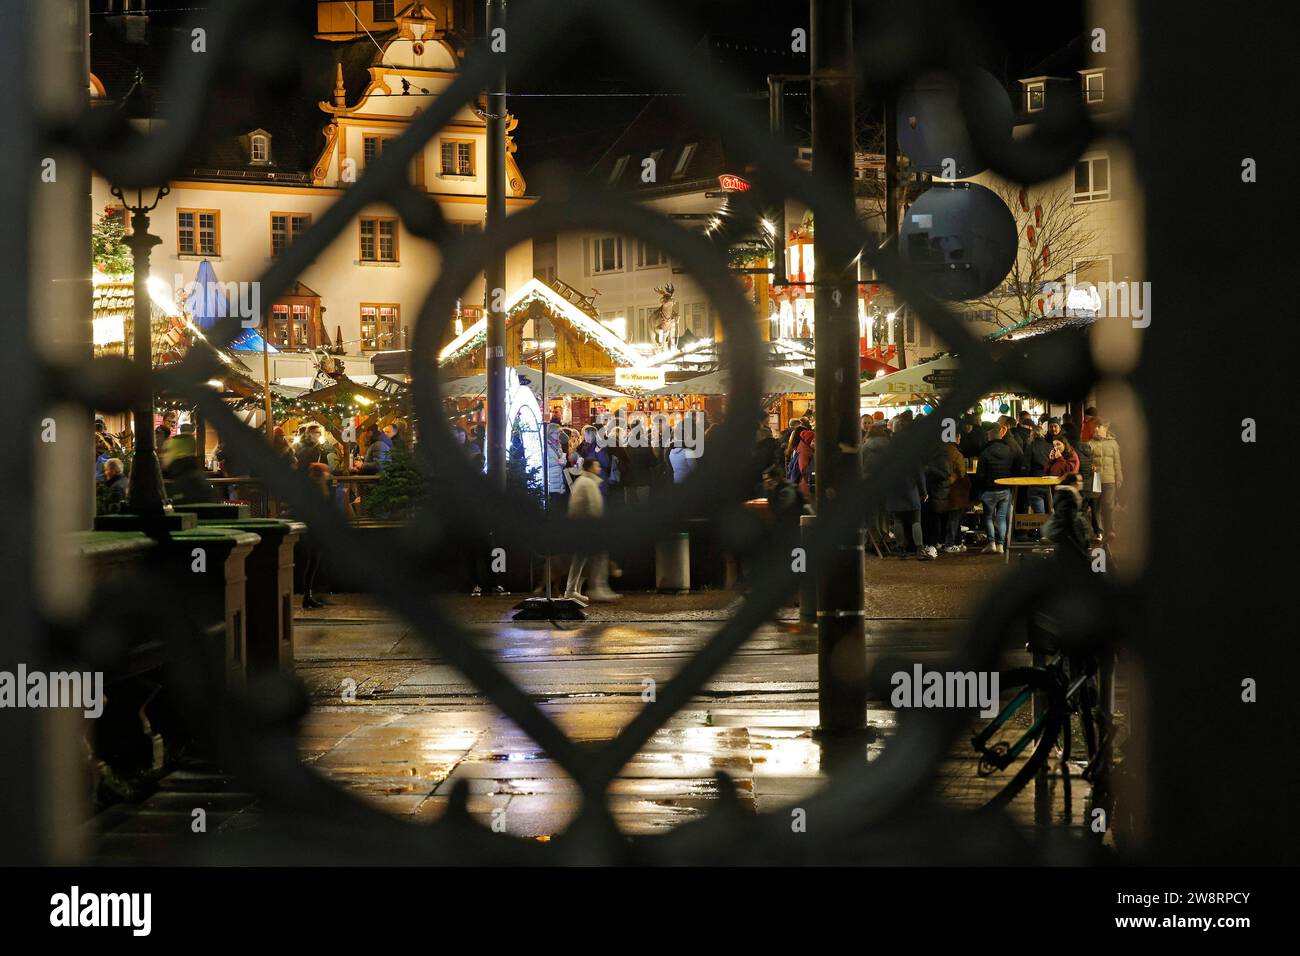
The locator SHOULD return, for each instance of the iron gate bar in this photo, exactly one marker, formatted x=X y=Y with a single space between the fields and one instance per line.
x=858 y=801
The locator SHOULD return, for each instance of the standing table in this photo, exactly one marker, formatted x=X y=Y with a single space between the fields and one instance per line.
x=1015 y=484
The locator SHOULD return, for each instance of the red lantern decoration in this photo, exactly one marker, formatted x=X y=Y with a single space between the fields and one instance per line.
x=1038 y=213
x=1047 y=254
x=1041 y=307
x=1029 y=234
x=1024 y=200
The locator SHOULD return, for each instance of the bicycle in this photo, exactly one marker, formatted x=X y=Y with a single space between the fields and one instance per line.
x=1019 y=742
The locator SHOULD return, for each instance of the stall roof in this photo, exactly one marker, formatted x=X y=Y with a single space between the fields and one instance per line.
x=556 y=385
x=775 y=381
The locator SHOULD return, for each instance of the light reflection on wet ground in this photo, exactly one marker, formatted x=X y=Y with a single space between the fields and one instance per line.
x=417 y=726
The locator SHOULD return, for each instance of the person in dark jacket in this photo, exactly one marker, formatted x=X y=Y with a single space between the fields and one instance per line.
x=115 y=491
x=997 y=460
x=1070 y=429
x=972 y=436
x=873 y=452
x=766 y=455
x=947 y=466
x=1067 y=528
x=1089 y=486
x=311 y=450
x=642 y=465
x=1017 y=441
x=903 y=501
x=1037 y=458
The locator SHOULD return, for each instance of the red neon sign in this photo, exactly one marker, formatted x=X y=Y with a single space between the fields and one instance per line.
x=733 y=183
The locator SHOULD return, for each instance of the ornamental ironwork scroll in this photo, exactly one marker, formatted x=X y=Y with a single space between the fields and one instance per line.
x=877 y=811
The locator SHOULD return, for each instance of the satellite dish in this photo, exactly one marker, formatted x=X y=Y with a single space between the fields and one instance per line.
x=932 y=128
x=962 y=237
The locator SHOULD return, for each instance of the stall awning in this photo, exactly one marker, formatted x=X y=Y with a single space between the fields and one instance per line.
x=918 y=382
x=775 y=381
x=556 y=385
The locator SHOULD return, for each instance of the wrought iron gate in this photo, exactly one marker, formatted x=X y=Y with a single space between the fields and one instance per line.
x=867 y=812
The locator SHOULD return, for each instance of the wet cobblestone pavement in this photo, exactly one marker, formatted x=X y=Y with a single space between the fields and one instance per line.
x=416 y=726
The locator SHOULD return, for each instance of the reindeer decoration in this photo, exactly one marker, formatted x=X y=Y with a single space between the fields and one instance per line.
x=664 y=319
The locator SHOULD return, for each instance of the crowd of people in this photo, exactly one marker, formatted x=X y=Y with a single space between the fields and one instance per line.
x=925 y=513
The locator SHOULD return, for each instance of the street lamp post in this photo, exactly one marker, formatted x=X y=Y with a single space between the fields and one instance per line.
x=546 y=608
x=146 y=497
x=841 y=645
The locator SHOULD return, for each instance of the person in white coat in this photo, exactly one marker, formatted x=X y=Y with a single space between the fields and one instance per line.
x=586 y=501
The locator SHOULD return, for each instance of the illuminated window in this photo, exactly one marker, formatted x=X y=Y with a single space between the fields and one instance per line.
x=607 y=255
x=291 y=326
x=260 y=148
x=1092 y=179
x=1035 y=96
x=1094 y=87
x=384 y=9
x=285 y=228
x=379 y=325
x=378 y=239
x=198 y=232
x=648 y=257
x=457 y=157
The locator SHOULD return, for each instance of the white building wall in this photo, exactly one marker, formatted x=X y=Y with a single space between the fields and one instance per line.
x=343 y=281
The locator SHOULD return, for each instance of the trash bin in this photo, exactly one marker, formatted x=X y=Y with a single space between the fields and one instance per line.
x=221 y=587
x=673 y=563
x=808 y=579
x=269 y=591
x=236 y=510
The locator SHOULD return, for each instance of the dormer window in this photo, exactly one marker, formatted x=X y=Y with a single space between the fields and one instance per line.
x=259 y=148
x=617 y=173
x=684 y=160
x=1094 y=87
x=1035 y=96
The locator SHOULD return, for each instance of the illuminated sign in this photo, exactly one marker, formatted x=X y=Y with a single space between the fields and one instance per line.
x=642 y=378
x=733 y=183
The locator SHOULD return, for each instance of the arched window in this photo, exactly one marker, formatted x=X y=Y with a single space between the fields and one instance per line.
x=260 y=148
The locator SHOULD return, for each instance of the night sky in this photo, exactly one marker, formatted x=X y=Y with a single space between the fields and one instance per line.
x=567 y=126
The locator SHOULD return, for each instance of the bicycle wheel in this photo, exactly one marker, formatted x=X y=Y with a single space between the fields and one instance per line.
x=1002 y=754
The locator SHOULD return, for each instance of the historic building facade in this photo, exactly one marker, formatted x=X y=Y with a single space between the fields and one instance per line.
x=267 y=175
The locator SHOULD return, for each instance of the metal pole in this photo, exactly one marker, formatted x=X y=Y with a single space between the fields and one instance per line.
x=145 y=486
x=266 y=378
x=891 y=196
x=495 y=274
x=776 y=122
x=546 y=467
x=841 y=644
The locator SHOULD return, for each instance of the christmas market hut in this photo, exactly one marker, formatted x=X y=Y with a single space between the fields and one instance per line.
x=585 y=348
x=786 y=395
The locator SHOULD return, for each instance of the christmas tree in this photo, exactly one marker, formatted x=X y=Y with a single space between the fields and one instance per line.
x=107 y=246
x=401 y=489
